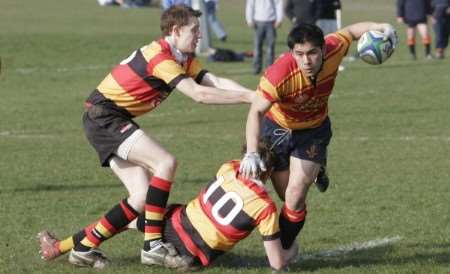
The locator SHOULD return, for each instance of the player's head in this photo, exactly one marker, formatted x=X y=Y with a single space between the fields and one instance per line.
x=306 y=42
x=180 y=22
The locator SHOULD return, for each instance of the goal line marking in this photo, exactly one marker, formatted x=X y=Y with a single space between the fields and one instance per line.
x=352 y=247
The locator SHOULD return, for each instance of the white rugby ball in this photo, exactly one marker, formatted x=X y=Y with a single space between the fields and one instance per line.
x=373 y=49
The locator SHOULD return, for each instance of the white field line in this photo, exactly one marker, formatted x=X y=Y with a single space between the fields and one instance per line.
x=395 y=139
x=26 y=135
x=237 y=71
x=44 y=134
x=31 y=70
x=353 y=247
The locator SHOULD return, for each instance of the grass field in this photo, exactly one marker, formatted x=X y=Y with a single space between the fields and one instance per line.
x=387 y=210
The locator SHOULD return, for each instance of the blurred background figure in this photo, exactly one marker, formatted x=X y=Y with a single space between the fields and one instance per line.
x=125 y=3
x=328 y=15
x=414 y=14
x=264 y=16
x=441 y=24
x=214 y=24
x=165 y=4
x=300 y=11
x=111 y=2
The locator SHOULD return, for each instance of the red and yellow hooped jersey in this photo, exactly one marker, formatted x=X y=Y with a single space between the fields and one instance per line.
x=142 y=81
x=299 y=103
x=225 y=212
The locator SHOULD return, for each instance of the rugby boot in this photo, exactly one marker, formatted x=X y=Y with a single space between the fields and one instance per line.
x=47 y=243
x=94 y=258
x=162 y=254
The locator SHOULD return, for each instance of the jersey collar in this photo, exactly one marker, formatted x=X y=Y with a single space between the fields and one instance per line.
x=180 y=57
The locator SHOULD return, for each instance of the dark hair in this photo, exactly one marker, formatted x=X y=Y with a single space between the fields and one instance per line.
x=267 y=155
x=177 y=15
x=303 y=33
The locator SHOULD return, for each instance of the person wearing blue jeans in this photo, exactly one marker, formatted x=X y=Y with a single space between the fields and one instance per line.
x=264 y=16
x=264 y=31
x=165 y=4
x=213 y=22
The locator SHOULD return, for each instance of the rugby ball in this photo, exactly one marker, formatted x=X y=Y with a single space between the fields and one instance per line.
x=373 y=49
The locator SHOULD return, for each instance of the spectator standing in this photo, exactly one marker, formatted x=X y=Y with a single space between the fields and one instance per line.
x=326 y=14
x=264 y=16
x=441 y=20
x=215 y=25
x=168 y=3
x=125 y=3
x=300 y=11
x=414 y=14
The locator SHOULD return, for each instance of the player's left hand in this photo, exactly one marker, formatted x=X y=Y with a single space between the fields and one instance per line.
x=390 y=34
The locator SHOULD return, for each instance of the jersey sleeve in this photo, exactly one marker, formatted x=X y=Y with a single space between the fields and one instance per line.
x=338 y=43
x=170 y=72
x=268 y=224
x=345 y=37
x=195 y=70
x=267 y=90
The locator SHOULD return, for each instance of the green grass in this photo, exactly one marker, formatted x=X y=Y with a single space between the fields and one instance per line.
x=389 y=158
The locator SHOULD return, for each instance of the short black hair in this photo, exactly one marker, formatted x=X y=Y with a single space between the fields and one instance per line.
x=303 y=33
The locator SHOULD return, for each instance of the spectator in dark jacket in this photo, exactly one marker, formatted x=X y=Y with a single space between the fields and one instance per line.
x=414 y=14
x=441 y=20
x=300 y=11
x=327 y=12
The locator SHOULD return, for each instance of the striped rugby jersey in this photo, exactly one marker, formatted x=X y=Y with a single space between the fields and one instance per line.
x=299 y=103
x=142 y=81
x=225 y=212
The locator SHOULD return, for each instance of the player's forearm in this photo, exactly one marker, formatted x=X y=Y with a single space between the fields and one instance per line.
x=252 y=129
x=356 y=30
x=210 y=95
x=229 y=84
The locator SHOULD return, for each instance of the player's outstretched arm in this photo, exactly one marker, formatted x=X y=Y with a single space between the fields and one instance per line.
x=251 y=164
x=212 y=80
x=212 y=95
x=358 y=29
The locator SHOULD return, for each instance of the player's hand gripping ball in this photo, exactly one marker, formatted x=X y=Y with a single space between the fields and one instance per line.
x=374 y=48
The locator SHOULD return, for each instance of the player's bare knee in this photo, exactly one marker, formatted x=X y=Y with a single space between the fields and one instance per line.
x=168 y=163
x=302 y=185
x=137 y=198
x=307 y=180
x=294 y=189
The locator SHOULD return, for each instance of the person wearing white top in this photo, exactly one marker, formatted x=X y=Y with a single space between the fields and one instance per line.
x=265 y=16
